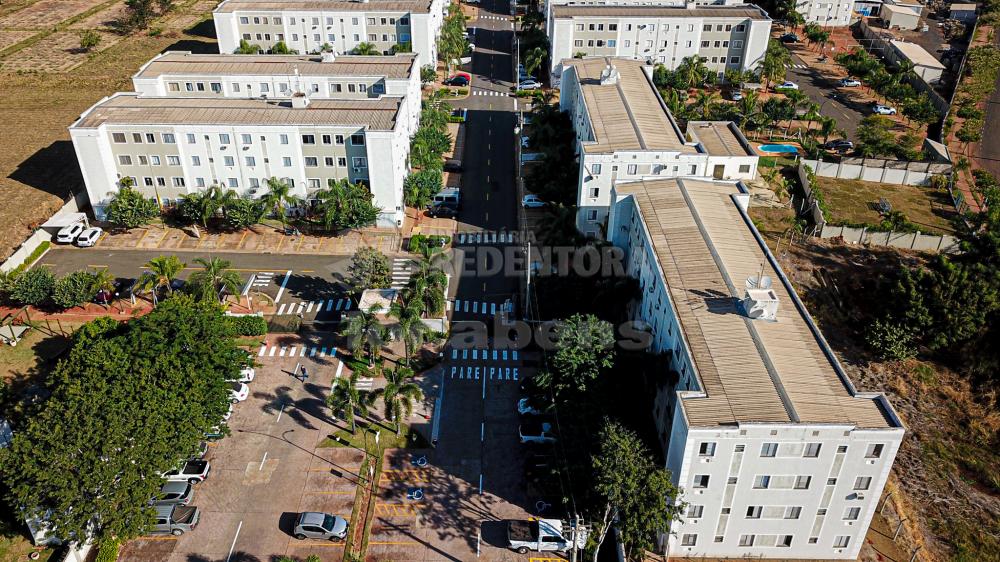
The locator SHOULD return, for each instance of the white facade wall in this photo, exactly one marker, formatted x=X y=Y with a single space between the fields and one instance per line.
x=307 y=31
x=730 y=43
x=829 y=13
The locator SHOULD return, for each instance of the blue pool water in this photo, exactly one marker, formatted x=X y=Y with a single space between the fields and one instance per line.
x=779 y=148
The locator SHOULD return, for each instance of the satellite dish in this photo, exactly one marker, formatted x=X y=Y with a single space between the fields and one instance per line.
x=764 y=282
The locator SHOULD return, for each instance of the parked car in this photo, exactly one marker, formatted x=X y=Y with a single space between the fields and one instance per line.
x=735 y=95
x=525 y=141
x=454 y=166
x=175 y=519
x=532 y=406
x=536 y=430
x=316 y=525
x=238 y=391
x=457 y=80
x=787 y=85
x=89 y=237
x=532 y=202
x=442 y=210
x=228 y=414
x=849 y=83
x=192 y=470
x=789 y=38
x=174 y=493
x=542 y=535
x=839 y=145
x=883 y=109
x=529 y=84
x=246 y=374
x=68 y=234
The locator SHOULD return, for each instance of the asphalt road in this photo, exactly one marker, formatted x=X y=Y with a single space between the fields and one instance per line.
x=834 y=102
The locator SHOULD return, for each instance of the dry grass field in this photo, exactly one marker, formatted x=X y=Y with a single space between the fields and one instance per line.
x=47 y=84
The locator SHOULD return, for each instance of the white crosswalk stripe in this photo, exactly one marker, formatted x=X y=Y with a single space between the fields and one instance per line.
x=365 y=383
x=476 y=307
x=490 y=93
x=401 y=271
x=296 y=351
x=485 y=237
x=796 y=66
x=263 y=278
x=313 y=306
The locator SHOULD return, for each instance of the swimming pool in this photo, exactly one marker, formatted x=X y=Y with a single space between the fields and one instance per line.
x=779 y=148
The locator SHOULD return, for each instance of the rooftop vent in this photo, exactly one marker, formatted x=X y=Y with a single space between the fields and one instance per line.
x=300 y=100
x=609 y=75
x=760 y=304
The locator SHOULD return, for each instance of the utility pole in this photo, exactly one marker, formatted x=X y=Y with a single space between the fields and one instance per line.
x=527 y=282
x=576 y=529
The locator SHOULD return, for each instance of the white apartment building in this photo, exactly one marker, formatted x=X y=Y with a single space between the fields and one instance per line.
x=173 y=146
x=625 y=133
x=777 y=455
x=827 y=13
x=324 y=76
x=307 y=25
x=727 y=37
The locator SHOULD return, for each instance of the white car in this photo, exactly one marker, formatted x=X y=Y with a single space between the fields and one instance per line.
x=228 y=414
x=89 y=237
x=529 y=85
x=238 y=392
x=883 y=109
x=787 y=86
x=532 y=202
x=192 y=470
x=68 y=234
x=246 y=374
x=849 y=83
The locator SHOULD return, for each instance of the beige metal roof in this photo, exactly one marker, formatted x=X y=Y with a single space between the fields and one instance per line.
x=187 y=64
x=719 y=138
x=419 y=6
x=626 y=114
x=918 y=55
x=744 y=12
x=375 y=114
x=751 y=370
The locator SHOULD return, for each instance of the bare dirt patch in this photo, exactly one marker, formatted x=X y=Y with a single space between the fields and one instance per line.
x=58 y=52
x=103 y=19
x=46 y=13
x=13 y=37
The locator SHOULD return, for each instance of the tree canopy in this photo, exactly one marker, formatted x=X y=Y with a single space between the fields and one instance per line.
x=584 y=347
x=370 y=269
x=129 y=209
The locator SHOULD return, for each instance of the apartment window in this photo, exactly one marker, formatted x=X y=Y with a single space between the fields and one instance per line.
x=371 y=21
x=244 y=20
x=308 y=139
x=265 y=87
x=761 y=481
x=191 y=138
x=137 y=138
x=707 y=27
x=821 y=511
x=841 y=541
x=277 y=21
x=802 y=482
x=612 y=27
x=359 y=162
x=373 y=36
x=862 y=482
x=754 y=511
x=590 y=27
x=842 y=448
x=687 y=44
x=784 y=541
x=246 y=36
x=247 y=139
x=201 y=86
x=729 y=27
x=689 y=539
x=336 y=88
x=595 y=192
x=740 y=28
x=168 y=138
x=874 y=451
x=143 y=161
x=705 y=44
x=196 y=160
x=717 y=44
x=327 y=139
x=612 y=43
x=251 y=161
x=154 y=160
x=831 y=481
x=690 y=27
x=199 y=182
x=769 y=449
x=263 y=21
x=793 y=512
x=737 y=44
x=217 y=87
x=328 y=161
x=233 y=183
x=812 y=449
x=746 y=540
x=254 y=182
x=592 y=215
x=283 y=139
x=174 y=160
x=312 y=161
x=734 y=60
x=595 y=169
x=701 y=481
x=190 y=87
x=632 y=169
x=317 y=37
x=706 y=449
x=223 y=138
x=351 y=88
x=125 y=160
x=404 y=21
x=315 y=21
x=150 y=138
x=358 y=140
x=715 y=60
x=628 y=43
x=286 y=161
x=363 y=88
x=178 y=182
x=161 y=182
x=283 y=88
x=342 y=162
x=852 y=514
x=740 y=448
x=745 y=169
x=378 y=88
x=695 y=511
x=229 y=161
x=338 y=139
x=718 y=27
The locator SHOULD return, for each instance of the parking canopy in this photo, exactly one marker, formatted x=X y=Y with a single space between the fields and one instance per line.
x=59 y=221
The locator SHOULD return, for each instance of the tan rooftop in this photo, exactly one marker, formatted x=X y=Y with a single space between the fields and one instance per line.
x=719 y=138
x=918 y=55
x=188 y=64
x=375 y=114
x=418 y=6
x=751 y=370
x=744 y=12
x=626 y=114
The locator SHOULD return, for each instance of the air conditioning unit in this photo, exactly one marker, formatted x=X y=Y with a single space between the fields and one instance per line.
x=859 y=496
x=760 y=304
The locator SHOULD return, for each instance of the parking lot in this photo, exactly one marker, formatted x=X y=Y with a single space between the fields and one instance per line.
x=270 y=468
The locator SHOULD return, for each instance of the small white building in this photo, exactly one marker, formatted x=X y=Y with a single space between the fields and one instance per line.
x=924 y=64
x=777 y=455
x=828 y=13
x=965 y=13
x=307 y=26
x=170 y=147
x=900 y=16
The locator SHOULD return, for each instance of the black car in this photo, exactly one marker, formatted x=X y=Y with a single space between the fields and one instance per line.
x=789 y=38
x=458 y=80
x=839 y=145
x=453 y=166
x=442 y=211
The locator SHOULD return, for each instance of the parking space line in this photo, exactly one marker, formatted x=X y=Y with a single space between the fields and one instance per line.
x=302 y=306
x=233 y=546
x=312 y=352
x=284 y=282
x=347 y=306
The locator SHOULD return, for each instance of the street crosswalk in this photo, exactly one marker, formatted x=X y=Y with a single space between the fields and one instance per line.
x=484 y=238
x=478 y=307
x=263 y=278
x=492 y=17
x=490 y=93
x=796 y=66
x=402 y=268
x=309 y=307
x=275 y=350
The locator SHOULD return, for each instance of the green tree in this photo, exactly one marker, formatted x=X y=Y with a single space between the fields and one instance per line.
x=421 y=186
x=74 y=289
x=365 y=48
x=429 y=282
x=242 y=213
x=200 y=206
x=366 y=335
x=347 y=400
x=281 y=48
x=427 y=74
x=127 y=403
x=773 y=68
x=693 y=71
x=278 y=198
x=584 y=347
x=451 y=41
x=409 y=328
x=748 y=112
x=160 y=274
x=129 y=209
x=137 y=15
x=403 y=47
x=370 y=269
x=345 y=205
x=875 y=137
x=704 y=102
x=399 y=396
x=34 y=286
x=247 y=48
x=215 y=276
x=534 y=59
x=89 y=39
x=103 y=281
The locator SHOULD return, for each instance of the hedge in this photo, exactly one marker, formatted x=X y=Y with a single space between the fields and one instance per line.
x=37 y=253
x=108 y=551
x=419 y=241
x=248 y=325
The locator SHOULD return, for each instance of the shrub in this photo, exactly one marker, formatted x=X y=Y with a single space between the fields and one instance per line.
x=74 y=289
x=970 y=112
x=890 y=341
x=108 y=551
x=370 y=269
x=247 y=325
x=33 y=287
x=32 y=258
x=419 y=241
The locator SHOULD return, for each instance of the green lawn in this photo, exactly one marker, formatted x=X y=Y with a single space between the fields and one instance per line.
x=35 y=350
x=853 y=202
x=14 y=542
x=364 y=437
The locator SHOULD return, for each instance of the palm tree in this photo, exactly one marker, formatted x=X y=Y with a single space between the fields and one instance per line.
x=827 y=127
x=749 y=109
x=365 y=48
x=675 y=102
x=428 y=283
x=279 y=197
x=693 y=70
x=534 y=59
x=775 y=58
x=102 y=281
x=796 y=98
x=409 y=328
x=215 y=276
x=704 y=101
x=559 y=228
x=365 y=334
x=398 y=396
x=348 y=400
x=161 y=273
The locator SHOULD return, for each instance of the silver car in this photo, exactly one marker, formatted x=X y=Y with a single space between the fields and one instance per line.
x=174 y=493
x=316 y=525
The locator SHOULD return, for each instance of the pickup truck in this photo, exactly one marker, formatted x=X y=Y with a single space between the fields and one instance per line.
x=542 y=535
x=193 y=471
x=175 y=519
x=536 y=430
